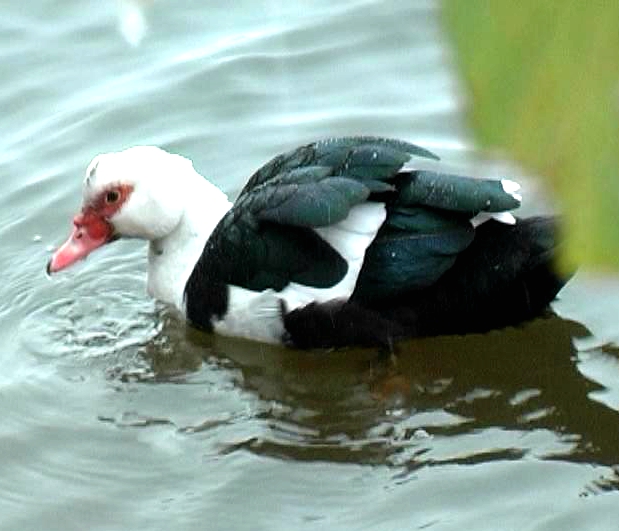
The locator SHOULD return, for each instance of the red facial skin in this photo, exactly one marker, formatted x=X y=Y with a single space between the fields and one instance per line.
x=91 y=227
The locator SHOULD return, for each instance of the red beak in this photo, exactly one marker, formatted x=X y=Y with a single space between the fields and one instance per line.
x=90 y=232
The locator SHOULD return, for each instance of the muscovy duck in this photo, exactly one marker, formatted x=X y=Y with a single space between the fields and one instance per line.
x=339 y=242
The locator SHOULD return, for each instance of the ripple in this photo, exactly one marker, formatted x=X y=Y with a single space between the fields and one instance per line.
x=86 y=328
x=99 y=312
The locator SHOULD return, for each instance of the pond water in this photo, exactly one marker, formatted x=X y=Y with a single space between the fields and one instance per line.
x=115 y=415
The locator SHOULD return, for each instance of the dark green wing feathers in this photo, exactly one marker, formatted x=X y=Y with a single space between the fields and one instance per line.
x=266 y=240
x=415 y=246
x=262 y=255
x=312 y=200
x=455 y=193
x=362 y=156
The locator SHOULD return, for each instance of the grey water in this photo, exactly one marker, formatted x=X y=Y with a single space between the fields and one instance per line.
x=116 y=415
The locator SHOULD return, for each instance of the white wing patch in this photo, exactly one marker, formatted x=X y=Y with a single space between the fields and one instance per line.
x=511 y=188
x=349 y=237
x=258 y=315
x=503 y=217
x=252 y=315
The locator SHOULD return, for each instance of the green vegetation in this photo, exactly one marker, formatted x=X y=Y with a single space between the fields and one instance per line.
x=543 y=83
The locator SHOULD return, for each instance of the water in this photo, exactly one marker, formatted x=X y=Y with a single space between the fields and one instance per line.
x=118 y=416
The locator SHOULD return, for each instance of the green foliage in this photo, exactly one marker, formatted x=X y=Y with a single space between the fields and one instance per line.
x=543 y=80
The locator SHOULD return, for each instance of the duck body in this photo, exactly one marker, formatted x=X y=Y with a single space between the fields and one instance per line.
x=339 y=242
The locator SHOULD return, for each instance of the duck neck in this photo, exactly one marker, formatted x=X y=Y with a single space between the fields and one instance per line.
x=171 y=259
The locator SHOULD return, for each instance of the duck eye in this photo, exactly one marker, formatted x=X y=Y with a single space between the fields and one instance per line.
x=112 y=196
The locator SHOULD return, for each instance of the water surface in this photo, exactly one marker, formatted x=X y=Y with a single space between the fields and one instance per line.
x=118 y=416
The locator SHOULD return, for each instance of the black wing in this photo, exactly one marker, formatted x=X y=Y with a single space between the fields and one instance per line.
x=355 y=156
x=267 y=239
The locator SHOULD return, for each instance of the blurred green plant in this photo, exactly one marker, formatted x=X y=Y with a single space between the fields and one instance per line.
x=543 y=82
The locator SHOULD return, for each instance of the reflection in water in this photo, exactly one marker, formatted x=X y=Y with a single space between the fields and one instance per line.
x=460 y=399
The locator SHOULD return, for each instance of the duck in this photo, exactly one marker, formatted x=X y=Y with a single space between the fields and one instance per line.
x=340 y=242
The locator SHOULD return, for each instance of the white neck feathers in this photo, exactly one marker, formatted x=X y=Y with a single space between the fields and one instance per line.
x=171 y=258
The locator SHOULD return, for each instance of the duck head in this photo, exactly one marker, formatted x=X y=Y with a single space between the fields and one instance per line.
x=131 y=193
